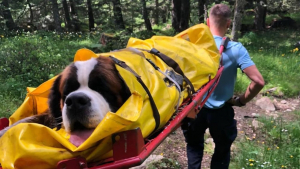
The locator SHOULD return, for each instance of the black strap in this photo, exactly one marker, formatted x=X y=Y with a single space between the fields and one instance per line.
x=224 y=43
x=155 y=112
x=170 y=62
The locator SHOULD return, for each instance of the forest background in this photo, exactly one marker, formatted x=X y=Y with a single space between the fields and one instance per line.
x=38 y=38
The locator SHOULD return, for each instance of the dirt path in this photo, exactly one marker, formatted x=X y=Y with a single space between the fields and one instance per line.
x=174 y=145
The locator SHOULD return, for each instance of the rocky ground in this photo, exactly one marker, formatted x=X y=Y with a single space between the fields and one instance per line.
x=174 y=146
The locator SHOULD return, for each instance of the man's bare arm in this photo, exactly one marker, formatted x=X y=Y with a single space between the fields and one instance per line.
x=257 y=83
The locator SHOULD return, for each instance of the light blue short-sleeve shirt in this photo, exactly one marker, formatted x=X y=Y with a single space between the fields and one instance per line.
x=235 y=56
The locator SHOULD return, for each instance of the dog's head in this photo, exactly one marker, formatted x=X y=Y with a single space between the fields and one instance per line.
x=84 y=92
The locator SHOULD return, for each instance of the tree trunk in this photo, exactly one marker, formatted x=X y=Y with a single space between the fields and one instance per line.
x=56 y=16
x=165 y=14
x=118 y=14
x=181 y=15
x=237 y=19
x=67 y=14
x=73 y=8
x=145 y=16
x=201 y=11
x=45 y=9
x=185 y=14
x=74 y=15
x=260 y=14
x=117 y=10
x=156 y=15
x=31 y=12
x=176 y=13
x=91 y=15
x=205 y=12
x=9 y=21
x=166 y=11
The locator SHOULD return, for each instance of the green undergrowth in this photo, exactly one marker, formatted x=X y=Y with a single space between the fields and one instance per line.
x=278 y=145
x=276 y=57
x=28 y=59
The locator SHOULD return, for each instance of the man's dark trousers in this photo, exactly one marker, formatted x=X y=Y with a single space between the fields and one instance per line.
x=222 y=128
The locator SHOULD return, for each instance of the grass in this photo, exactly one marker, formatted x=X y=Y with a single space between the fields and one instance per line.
x=8 y=105
x=277 y=147
x=277 y=59
x=275 y=55
x=164 y=163
x=28 y=59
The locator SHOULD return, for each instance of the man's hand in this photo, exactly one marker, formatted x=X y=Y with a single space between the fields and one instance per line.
x=257 y=83
x=235 y=101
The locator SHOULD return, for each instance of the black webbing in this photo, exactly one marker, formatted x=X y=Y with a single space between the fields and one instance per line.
x=155 y=112
x=224 y=43
x=170 y=62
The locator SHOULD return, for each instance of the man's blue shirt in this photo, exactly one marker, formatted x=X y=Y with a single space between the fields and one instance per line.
x=235 y=56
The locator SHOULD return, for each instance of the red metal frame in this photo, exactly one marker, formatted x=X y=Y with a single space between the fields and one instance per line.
x=129 y=147
x=3 y=123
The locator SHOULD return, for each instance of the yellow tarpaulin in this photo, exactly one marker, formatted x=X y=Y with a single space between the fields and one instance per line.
x=36 y=146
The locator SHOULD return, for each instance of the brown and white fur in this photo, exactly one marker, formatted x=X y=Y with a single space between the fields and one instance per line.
x=81 y=96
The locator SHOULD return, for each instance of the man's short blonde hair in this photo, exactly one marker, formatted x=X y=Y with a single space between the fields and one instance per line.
x=219 y=14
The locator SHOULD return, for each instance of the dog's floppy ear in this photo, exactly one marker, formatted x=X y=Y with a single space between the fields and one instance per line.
x=54 y=102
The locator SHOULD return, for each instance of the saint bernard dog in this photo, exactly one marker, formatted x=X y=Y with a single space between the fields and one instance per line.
x=81 y=96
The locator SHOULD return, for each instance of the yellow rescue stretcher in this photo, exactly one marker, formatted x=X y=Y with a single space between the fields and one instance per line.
x=124 y=138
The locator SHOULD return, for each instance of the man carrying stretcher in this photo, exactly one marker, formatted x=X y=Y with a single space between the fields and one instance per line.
x=218 y=114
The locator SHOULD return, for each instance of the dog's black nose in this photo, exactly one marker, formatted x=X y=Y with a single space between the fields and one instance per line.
x=78 y=101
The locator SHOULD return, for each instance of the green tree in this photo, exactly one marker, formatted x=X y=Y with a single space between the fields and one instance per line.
x=180 y=15
x=67 y=14
x=145 y=16
x=260 y=14
x=237 y=19
x=91 y=15
x=56 y=17
x=9 y=21
x=31 y=12
x=117 y=10
x=201 y=10
x=74 y=15
x=156 y=13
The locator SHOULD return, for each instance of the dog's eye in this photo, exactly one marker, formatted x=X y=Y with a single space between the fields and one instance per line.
x=98 y=84
x=71 y=85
